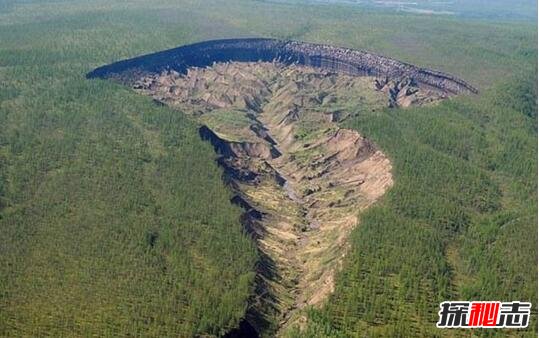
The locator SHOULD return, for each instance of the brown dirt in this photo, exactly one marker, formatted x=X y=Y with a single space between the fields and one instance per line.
x=304 y=178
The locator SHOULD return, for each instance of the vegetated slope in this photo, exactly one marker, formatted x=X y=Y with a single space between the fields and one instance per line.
x=459 y=223
x=114 y=219
x=300 y=178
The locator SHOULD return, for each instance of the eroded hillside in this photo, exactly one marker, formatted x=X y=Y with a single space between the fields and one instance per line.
x=300 y=177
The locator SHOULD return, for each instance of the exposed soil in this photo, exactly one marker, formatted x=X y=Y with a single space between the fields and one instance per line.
x=301 y=179
x=272 y=110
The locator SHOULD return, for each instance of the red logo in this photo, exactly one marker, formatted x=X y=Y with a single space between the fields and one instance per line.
x=484 y=314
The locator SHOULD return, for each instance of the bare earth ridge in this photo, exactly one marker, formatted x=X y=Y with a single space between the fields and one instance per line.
x=301 y=179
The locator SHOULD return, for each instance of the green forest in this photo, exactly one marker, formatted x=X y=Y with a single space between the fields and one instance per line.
x=115 y=220
x=460 y=222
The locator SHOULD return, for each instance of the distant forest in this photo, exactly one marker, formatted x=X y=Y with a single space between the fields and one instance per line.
x=499 y=10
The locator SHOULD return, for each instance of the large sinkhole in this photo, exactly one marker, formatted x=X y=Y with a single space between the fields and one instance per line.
x=274 y=110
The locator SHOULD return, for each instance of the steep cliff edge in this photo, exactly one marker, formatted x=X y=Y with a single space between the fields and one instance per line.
x=337 y=59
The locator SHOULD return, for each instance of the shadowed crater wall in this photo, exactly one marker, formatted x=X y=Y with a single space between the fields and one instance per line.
x=337 y=59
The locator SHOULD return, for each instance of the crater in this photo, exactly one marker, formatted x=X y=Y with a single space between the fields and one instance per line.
x=272 y=110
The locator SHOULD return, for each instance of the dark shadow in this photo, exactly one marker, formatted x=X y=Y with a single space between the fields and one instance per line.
x=330 y=58
x=245 y=330
x=262 y=311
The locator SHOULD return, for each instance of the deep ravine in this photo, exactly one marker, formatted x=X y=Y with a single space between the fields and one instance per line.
x=301 y=179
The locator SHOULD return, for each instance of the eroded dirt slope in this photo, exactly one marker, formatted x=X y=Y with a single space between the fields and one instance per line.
x=300 y=177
